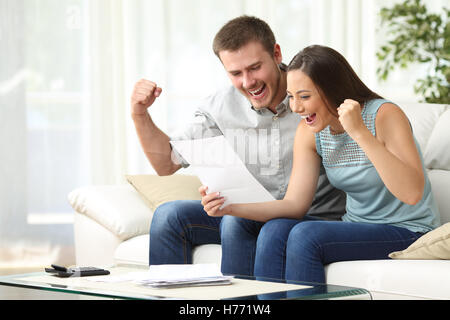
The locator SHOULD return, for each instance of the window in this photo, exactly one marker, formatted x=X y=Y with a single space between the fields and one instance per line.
x=45 y=138
x=56 y=91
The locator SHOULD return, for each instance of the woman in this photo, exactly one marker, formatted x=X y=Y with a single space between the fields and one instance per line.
x=368 y=150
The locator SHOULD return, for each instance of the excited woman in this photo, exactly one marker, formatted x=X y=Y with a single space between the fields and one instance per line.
x=368 y=150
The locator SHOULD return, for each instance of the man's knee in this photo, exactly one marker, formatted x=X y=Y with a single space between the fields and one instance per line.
x=170 y=215
x=166 y=211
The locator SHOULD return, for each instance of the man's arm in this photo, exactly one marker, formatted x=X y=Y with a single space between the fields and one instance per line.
x=154 y=142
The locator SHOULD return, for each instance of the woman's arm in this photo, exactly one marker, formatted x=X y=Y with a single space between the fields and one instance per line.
x=299 y=195
x=392 y=152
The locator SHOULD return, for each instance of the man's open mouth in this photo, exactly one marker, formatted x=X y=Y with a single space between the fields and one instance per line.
x=258 y=92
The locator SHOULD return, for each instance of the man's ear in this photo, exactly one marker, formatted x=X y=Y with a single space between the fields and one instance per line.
x=277 y=53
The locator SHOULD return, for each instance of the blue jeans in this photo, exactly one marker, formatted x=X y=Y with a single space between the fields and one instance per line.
x=299 y=250
x=178 y=226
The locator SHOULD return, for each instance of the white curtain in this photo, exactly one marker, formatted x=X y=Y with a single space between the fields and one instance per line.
x=67 y=69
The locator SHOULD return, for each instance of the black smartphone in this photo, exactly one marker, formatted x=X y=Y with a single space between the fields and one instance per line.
x=64 y=272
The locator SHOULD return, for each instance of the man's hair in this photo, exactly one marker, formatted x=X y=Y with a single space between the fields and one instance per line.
x=332 y=75
x=240 y=31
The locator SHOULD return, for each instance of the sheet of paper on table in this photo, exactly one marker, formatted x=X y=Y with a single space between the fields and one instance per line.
x=218 y=166
x=167 y=275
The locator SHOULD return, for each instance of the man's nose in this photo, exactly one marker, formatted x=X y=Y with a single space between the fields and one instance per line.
x=248 y=81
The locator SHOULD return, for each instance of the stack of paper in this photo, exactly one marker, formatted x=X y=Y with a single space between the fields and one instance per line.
x=177 y=283
x=172 y=276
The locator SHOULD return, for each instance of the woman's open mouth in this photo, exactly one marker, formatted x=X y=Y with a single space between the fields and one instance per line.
x=310 y=118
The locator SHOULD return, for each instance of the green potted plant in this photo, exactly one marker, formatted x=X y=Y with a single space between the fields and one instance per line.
x=418 y=36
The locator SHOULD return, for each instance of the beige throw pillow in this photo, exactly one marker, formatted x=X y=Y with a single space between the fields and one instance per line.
x=157 y=190
x=433 y=245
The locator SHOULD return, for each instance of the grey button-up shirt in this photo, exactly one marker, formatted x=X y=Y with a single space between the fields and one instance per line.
x=263 y=140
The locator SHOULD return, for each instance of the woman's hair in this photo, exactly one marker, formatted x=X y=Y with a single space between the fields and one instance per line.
x=238 y=32
x=332 y=75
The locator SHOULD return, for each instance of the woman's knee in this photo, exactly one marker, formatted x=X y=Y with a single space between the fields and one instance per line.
x=229 y=223
x=275 y=233
x=234 y=226
x=308 y=235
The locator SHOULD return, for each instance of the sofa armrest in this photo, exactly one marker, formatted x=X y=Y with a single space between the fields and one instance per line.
x=118 y=208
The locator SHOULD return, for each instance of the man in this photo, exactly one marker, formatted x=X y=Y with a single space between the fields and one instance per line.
x=255 y=112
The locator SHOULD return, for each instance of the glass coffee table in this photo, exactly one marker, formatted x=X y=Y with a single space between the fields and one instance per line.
x=241 y=288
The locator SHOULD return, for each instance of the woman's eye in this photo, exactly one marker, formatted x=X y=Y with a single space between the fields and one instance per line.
x=304 y=97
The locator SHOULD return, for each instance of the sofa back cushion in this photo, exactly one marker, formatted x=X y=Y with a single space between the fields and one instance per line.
x=431 y=127
x=156 y=190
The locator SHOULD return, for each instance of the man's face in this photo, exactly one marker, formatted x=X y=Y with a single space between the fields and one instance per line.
x=255 y=73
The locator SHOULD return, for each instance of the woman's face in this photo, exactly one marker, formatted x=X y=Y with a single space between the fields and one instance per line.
x=304 y=99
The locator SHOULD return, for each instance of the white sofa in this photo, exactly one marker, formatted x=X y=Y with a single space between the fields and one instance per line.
x=112 y=225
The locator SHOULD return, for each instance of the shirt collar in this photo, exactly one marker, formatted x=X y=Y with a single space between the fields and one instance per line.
x=281 y=109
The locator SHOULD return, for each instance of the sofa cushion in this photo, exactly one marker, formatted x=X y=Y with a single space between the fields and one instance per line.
x=133 y=251
x=436 y=154
x=118 y=208
x=433 y=245
x=440 y=184
x=423 y=118
x=417 y=278
x=207 y=253
x=156 y=190
x=136 y=251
